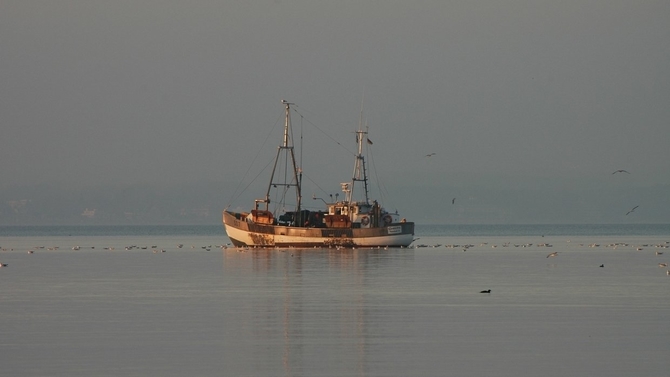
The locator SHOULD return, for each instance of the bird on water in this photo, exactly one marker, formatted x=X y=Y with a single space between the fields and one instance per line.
x=486 y=291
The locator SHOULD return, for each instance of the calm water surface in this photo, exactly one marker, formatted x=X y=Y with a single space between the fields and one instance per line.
x=321 y=312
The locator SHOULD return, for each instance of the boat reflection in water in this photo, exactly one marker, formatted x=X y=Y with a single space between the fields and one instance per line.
x=305 y=304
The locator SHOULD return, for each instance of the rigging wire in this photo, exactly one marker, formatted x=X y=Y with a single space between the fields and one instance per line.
x=380 y=187
x=235 y=195
x=301 y=136
x=325 y=133
x=383 y=193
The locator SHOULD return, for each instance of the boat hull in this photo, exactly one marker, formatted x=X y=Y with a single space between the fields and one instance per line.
x=243 y=233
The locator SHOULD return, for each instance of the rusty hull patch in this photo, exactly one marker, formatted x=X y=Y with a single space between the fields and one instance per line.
x=344 y=242
x=262 y=239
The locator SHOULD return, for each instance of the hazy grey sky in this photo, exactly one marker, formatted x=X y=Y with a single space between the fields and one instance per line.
x=546 y=96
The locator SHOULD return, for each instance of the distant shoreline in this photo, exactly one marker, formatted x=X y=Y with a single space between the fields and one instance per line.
x=421 y=230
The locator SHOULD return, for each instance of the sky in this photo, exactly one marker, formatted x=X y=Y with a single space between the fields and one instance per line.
x=529 y=106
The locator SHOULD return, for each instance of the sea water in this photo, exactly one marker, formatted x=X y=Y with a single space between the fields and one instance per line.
x=208 y=309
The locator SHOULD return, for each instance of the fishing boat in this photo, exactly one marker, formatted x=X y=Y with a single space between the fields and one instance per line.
x=350 y=223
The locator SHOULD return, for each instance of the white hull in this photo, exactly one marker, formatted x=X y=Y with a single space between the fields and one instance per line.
x=242 y=234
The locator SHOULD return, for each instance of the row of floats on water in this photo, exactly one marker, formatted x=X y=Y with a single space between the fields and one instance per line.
x=467 y=246
x=128 y=248
x=591 y=245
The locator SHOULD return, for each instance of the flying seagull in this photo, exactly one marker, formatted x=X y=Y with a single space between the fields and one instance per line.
x=430 y=154
x=633 y=209
x=453 y=200
x=621 y=171
x=555 y=253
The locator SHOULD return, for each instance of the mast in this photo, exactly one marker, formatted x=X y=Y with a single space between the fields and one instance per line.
x=359 y=167
x=287 y=148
